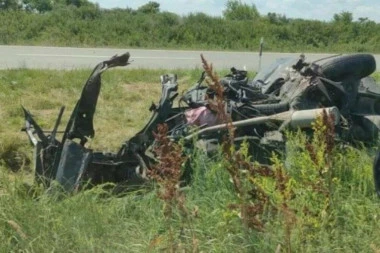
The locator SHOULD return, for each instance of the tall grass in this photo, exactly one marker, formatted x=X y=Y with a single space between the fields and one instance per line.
x=94 y=221
x=31 y=220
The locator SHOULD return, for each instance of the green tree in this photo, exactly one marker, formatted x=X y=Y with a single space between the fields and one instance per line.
x=76 y=3
x=10 y=4
x=236 y=10
x=344 y=17
x=275 y=18
x=149 y=8
x=39 y=5
x=363 y=20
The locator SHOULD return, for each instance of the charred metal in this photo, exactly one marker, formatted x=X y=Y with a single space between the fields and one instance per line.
x=290 y=94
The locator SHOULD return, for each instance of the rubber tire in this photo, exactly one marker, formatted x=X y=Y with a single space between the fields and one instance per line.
x=376 y=173
x=354 y=66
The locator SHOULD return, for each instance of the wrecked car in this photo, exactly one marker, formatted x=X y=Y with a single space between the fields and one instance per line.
x=290 y=94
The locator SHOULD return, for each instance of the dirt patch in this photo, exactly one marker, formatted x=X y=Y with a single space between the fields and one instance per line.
x=13 y=155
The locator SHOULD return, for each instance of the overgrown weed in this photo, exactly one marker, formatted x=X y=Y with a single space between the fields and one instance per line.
x=252 y=199
x=311 y=203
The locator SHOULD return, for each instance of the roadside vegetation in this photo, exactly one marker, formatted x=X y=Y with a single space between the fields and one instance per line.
x=320 y=198
x=81 y=23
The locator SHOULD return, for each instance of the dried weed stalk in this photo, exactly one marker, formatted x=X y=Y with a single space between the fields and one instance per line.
x=167 y=172
x=217 y=103
x=252 y=198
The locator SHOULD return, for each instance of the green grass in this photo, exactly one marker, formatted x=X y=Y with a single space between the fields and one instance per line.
x=32 y=220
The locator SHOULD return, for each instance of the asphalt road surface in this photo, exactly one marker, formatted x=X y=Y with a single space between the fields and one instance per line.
x=73 y=58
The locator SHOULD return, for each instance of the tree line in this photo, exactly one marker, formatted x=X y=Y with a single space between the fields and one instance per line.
x=85 y=24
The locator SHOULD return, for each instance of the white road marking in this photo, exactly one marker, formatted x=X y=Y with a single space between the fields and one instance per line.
x=64 y=55
x=160 y=50
x=104 y=56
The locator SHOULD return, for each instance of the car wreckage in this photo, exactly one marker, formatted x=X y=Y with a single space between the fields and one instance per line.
x=290 y=94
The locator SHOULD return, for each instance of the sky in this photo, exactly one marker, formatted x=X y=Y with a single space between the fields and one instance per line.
x=306 y=9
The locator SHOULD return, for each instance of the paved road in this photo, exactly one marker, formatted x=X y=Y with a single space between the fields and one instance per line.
x=73 y=58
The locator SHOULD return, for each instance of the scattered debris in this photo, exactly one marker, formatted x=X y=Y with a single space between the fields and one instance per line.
x=290 y=94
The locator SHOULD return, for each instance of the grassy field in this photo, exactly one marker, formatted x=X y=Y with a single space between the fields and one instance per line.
x=326 y=203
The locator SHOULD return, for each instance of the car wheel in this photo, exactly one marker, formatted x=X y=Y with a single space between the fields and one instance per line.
x=354 y=66
x=376 y=173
